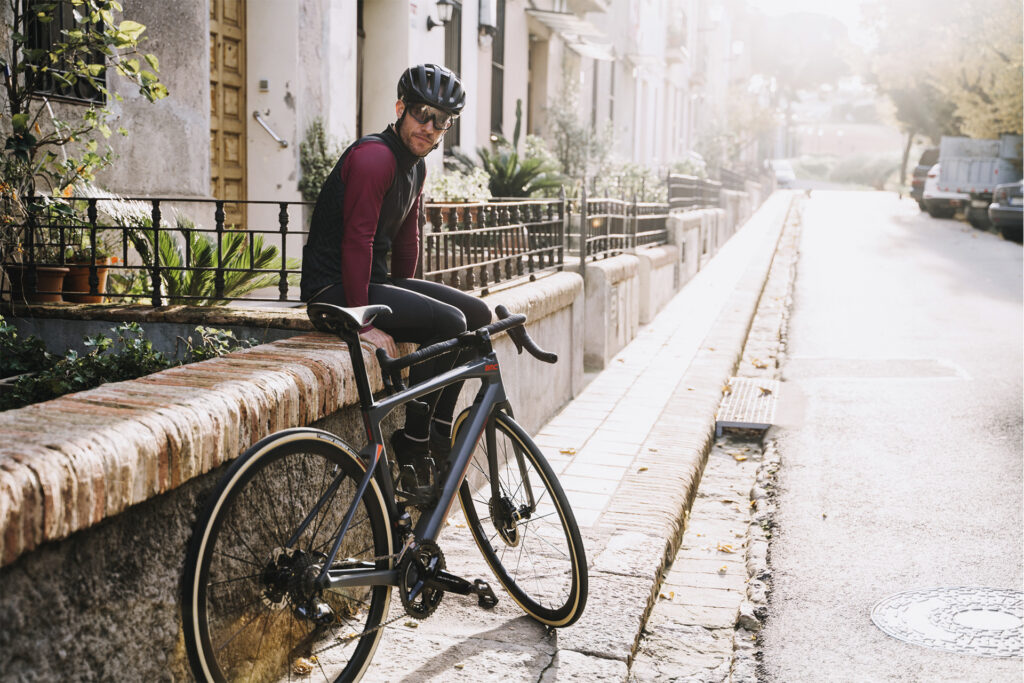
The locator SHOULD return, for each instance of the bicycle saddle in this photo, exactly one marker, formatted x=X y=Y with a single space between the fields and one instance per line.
x=337 y=319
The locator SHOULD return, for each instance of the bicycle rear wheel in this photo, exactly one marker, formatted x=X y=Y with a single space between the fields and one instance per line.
x=249 y=611
x=523 y=524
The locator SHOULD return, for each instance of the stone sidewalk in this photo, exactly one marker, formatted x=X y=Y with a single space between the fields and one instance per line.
x=629 y=450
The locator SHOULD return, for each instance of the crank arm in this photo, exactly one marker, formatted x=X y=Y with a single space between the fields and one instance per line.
x=451 y=583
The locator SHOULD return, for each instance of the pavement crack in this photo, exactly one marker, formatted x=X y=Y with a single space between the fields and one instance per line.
x=545 y=670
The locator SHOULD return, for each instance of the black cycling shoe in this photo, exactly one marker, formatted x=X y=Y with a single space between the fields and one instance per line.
x=440 y=441
x=413 y=458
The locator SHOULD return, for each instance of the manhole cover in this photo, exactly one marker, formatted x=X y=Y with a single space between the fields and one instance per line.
x=972 y=621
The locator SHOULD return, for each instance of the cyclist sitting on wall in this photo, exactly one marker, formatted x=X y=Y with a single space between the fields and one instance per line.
x=370 y=205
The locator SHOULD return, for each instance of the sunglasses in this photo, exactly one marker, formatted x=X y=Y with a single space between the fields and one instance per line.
x=422 y=113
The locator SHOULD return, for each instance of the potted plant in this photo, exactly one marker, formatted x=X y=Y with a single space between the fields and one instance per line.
x=88 y=259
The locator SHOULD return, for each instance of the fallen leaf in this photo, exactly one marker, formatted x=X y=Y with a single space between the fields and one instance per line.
x=725 y=548
x=567 y=451
x=641 y=469
x=758 y=363
x=412 y=624
x=737 y=457
x=765 y=391
x=727 y=389
x=460 y=665
x=723 y=569
x=302 y=667
x=652 y=450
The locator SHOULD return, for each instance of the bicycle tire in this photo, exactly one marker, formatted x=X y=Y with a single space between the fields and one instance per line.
x=242 y=587
x=539 y=560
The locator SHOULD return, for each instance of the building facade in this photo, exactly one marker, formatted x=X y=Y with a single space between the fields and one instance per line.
x=247 y=77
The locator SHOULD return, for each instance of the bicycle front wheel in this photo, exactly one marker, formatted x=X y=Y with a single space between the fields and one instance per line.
x=250 y=611
x=523 y=525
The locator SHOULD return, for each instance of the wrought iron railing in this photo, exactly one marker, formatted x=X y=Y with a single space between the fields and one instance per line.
x=157 y=250
x=477 y=246
x=691 y=192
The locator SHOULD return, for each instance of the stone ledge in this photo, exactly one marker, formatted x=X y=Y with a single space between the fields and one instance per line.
x=68 y=463
x=285 y=318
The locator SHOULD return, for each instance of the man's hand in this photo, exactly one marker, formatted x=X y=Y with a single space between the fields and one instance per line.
x=381 y=339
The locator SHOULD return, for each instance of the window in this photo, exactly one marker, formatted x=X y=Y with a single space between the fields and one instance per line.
x=498 y=71
x=453 y=60
x=42 y=36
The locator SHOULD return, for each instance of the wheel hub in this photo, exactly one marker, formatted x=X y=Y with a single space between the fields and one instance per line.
x=289 y=577
x=506 y=517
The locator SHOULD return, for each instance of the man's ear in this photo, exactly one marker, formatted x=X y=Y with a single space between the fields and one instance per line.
x=399 y=108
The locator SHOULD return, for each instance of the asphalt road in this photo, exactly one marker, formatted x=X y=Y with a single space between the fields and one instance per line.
x=900 y=437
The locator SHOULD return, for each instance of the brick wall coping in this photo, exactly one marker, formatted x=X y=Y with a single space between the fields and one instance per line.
x=284 y=318
x=69 y=463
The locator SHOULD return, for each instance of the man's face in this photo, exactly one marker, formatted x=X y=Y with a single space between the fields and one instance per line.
x=420 y=138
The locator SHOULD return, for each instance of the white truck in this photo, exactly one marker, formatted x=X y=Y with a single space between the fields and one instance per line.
x=975 y=167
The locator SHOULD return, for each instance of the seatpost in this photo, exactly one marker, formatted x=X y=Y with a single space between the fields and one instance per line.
x=355 y=352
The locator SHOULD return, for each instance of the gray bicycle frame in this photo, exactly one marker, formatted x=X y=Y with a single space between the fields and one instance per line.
x=490 y=395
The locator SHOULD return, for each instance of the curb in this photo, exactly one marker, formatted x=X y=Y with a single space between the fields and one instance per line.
x=672 y=459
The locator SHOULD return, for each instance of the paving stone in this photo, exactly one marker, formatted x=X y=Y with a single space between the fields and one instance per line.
x=568 y=666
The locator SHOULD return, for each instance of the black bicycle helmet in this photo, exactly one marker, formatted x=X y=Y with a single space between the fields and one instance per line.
x=434 y=85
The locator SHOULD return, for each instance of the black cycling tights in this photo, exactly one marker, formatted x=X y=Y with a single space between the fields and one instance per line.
x=423 y=313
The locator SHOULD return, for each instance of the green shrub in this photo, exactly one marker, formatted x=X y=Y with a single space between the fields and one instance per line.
x=19 y=355
x=127 y=356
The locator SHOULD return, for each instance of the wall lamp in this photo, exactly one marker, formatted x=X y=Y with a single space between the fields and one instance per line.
x=445 y=8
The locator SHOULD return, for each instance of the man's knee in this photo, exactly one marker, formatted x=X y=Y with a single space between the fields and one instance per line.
x=476 y=313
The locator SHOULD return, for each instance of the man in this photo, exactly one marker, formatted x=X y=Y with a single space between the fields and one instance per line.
x=370 y=206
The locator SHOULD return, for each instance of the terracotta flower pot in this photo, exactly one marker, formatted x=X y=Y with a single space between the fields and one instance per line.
x=49 y=283
x=76 y=284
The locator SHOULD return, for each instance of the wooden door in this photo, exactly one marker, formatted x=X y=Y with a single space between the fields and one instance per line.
x=227 y=107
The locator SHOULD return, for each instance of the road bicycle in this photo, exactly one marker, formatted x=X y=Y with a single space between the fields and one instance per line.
x=290 y=567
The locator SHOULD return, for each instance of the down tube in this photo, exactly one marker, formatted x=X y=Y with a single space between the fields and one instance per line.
x=490 y=395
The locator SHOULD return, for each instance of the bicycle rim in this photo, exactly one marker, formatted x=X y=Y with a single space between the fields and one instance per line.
x=247 y=609
x=539 y=559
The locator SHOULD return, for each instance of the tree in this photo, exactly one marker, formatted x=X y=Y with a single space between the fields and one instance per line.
x=51 y=49
x=958 y=72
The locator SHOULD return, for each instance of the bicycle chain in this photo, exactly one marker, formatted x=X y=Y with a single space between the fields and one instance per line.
x=342 y=640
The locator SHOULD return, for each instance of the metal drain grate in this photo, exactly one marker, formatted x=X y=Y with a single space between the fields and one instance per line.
x=973 y=621
x=747 y=404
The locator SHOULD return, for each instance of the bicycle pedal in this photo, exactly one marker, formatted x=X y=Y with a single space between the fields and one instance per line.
x=485 y=596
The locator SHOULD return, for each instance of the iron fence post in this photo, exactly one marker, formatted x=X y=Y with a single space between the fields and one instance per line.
x=157 y=298
x=635 y=225
x=30 y=248
x=282 y=283
x=421 y=226
x=582 y=247
x=218 y=277
x=94 y=277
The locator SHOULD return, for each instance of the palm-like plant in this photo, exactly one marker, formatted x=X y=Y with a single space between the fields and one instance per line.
x=189 y=268
x=514 y=176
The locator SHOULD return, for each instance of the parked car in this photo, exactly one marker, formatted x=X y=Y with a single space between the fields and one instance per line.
x=976 y=166
x=940 y=203
x=1007 y=209
x=784 y=175
x=929 y=158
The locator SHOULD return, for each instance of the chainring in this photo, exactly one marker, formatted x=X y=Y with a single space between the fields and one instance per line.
x=420 y=564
